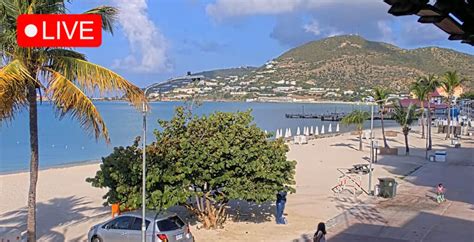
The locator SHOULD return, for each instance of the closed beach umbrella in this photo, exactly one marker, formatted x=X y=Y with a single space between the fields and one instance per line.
x=337 y=128
x=298 y=131
x=277 y=134
x=289 y=132
x=286 y=133
x=316 y=132
x=330 y=128
x=311 y=132
x=322 y=129
x=307 y=131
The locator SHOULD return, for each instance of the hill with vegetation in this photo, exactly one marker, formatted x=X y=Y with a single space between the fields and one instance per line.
x=343 y=67
x=349 y=61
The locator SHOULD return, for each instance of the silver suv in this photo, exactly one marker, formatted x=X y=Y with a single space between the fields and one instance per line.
x=165 y=227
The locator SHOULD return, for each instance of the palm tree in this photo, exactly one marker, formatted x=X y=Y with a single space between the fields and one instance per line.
x=357 y=118
x=420 y=90
x=63 y=75
x=449 y=83
x=381 y=95
x=404 y=117
x=431 y=82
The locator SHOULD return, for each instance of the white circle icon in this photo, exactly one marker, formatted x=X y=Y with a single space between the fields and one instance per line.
x=31 y=30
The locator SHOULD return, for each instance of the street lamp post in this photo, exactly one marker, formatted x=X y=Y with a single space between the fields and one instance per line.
x=372 y=137
x=144 y=110
x=371 y=147
x=144 y=173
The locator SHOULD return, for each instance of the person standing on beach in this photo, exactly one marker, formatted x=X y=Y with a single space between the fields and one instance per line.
x=320 y=234
x=280 y=207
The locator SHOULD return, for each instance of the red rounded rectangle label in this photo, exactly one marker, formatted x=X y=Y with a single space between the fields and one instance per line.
x=59 y=30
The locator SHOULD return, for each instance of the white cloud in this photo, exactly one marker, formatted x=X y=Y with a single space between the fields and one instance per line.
x=386 y=31
x=148 y=46
x=313 y=27
x=413 y=33
x=223 y=9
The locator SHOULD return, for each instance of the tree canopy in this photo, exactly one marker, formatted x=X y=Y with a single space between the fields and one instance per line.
x=202 y=163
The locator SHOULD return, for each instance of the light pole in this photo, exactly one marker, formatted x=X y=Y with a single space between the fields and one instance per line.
x=372 y=136
x=371 y=146
x=144 y=110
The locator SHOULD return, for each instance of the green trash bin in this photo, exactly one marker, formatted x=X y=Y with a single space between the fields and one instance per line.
x=388 y=187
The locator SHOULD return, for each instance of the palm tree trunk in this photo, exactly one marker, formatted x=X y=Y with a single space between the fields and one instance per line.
x=385 y=144
x=448 y=133
x=33 y=116
x=360 y=139
x=429 y=126
x=422 y=120
x=407 y=149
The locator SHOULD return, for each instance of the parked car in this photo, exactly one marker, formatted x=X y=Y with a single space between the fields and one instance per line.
x=163 y=227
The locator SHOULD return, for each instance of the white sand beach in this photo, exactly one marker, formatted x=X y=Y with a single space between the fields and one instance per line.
x=68 y=206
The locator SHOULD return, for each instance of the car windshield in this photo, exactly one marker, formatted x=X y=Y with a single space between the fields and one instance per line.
x=169 y=224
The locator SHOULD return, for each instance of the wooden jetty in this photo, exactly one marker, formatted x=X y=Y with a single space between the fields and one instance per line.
x=302 y=115
x=299 y=115
x=332 y=116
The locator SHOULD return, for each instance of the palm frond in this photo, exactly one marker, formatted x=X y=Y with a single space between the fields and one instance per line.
x=420 y=89
x=356 y=117
x=52 y=53
x=14 y=81
x=69 y=99
x=404 y=116
x=450 y=82
x=431 y=82
x=109 y=16
x=92 y=77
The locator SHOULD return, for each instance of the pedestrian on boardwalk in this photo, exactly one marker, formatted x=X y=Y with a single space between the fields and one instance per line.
x=440 y=193
x=320 y=234
x=280 y=207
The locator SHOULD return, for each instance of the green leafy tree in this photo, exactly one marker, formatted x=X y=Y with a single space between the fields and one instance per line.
x=450 y=82
x=356 y=118
x=404 y=117
x=380 y=96
x=200 y=163
x=63 y=75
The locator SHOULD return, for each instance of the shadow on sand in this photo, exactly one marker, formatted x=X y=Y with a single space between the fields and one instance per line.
x=53 y=209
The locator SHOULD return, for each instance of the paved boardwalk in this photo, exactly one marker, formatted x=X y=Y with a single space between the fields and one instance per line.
x=413 y=215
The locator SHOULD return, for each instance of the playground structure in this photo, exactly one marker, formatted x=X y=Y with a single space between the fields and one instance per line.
x=350 y=182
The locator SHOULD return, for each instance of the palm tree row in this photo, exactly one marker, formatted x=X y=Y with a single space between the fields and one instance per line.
x=63 y=75
x=425 y=86
x=422 y=88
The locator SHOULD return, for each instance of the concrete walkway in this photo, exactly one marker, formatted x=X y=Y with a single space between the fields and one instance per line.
x=413 y=215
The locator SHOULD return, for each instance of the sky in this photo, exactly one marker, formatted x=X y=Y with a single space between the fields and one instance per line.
x=155 y=40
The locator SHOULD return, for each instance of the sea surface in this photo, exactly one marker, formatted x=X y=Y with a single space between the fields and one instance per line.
x=62 y=142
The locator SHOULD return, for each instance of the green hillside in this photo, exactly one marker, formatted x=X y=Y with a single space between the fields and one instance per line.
x=350 y=61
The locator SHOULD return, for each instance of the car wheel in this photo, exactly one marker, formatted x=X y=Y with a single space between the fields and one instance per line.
x=96 y=239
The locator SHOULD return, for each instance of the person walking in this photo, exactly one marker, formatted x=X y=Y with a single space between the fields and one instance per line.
x=320 y=234
x=440 y=190
x=280 y=207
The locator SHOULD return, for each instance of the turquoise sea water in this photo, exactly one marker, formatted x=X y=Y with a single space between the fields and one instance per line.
x=63 y=141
